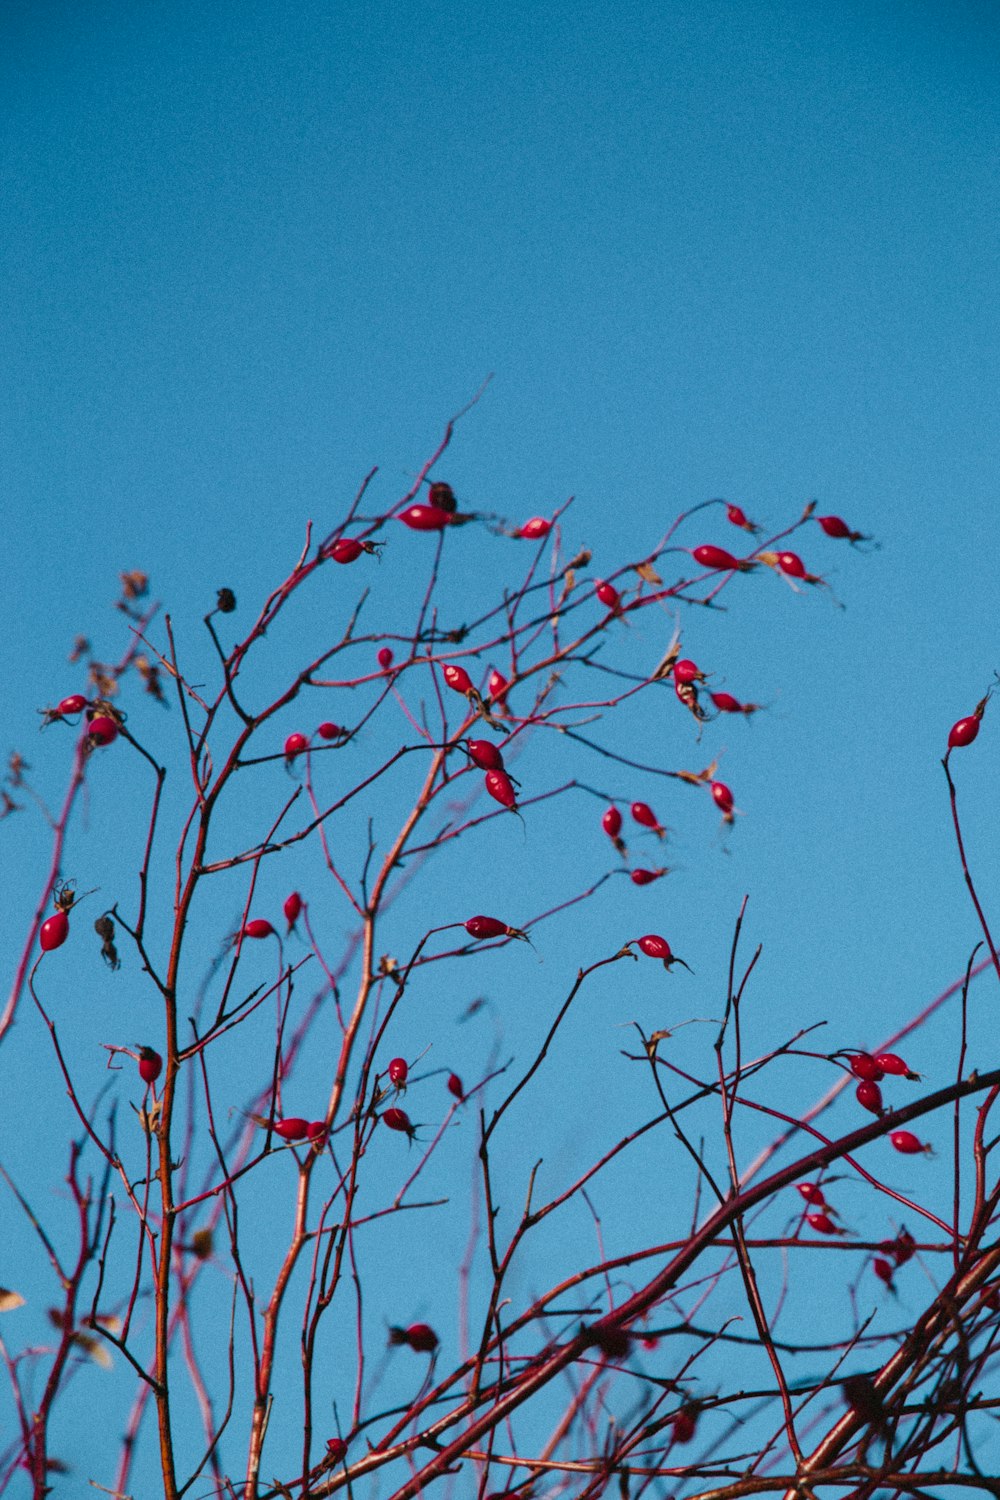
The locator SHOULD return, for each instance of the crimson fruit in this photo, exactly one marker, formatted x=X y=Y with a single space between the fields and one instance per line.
x=487 y=927
x=328 y=731
x=812 y=1194
x=346 y=550
x=727 y=704
x=655 y=946
x=644 y=814
x=292 y=1129
x=258 y=927
x=611 y=822
x=708 y=556
x=74 y=704
x=292 y=907
x=419 y=1336
x=646 y=877
x=534 y=529
x=316 y=1131
x=458 y=679
x=294 y=745
x=54 y=931
x=150 y=1065
x=889 y=1062
x=425 y=517
x=336 y=1449
x=683 y=1425
x=384 y=658
x=485 y=755
x=498 y=685
x=822 y=1223
x=869 y=1096
x=722 y=797
x=398 y=1119
x=687 y=671
x=863 y=1065
x=737 y=516
x=883 y=1270
x=501 y=788
x=906 y=1142
x=102 y=730
x=963 y=732
x=455 y=1086
x=398 y=1071
x=608 y=594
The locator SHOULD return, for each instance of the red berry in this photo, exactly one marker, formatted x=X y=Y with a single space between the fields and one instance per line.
x=722 y=797
x=889 y=1062
x=834 y=526
x=534 y=529
x=486 y=927
x=259 y=927
x=902 y=1248
x=727 y=704
x=346 y=550
x=792 y=564
x=419 y=1336
x=655 y=947
x=150 y=1065
x=458 y=679
x=455 y=1086
x=822 y=1223
x=425 y=517
x=398 y=1071
x=384 y=657
x=644 y=814
x=316 y=1131
x=292 y=1129
x=707 y=556
x=292 y=907
x=646 y=877
x=687 y=671
x=812 y=1194
x=398 y=1119
x=54 y=931
x=611 y=822
x=736 y=516
x=74 y=704
x=501 y=788
x=963 y=732
x=101 y=730
x=485 y=755
x=869 y=1096
x=294 y=745
x=883 y=1270
x=863 y=1065
x=608 y=595
x=498 y=685
x=328 y=731
x=906 y=1142
x=683 y=1425
x=336 y=1449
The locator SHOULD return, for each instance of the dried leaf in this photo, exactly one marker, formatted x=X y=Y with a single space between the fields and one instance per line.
x=9 y=1300
x=648 y=573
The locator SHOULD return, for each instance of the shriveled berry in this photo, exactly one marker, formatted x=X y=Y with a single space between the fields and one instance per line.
x=791 y=564
x=884 y=1270
x=399 y=1071
x=457 y=679
x=292 y=907
x=295 y=744
x=443 y=496
x=612 y=1339
x=963 y=732
x=906 y=1142
x=485 y=755
x=74 y=704
x=398 y=1119
x=608 y=594
x=686 y=670
x=293 y=1128
x=646 y=877
x=890 y=1062
x=501 y=788
x=102 y=730
x=869 y=1096
x=346 y=549
x=258 y=927
x=863 y=1065
x=150 y=1064
x=683 y=1425
x=822 y=1223
x=643 y=814
x=384 y=657
x=611 y=822
x=54 y=931
x=425 y=517
x=419 y=1336
x=812 y=1194
x=225 y=601
x=535 y=529
x=717 y=558
x=722 y=797
x=328 y=731
x=455 y=1086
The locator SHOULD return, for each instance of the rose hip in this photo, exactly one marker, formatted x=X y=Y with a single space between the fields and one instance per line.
x=608 y=595
x=292 y=907
x=294 y=745
x=907 y=1143
x=812 y=1194
x=398 y=1119
x=458 y=679
x=963 y=732
x=501 y=788
x=722 y=797
x=485 y=755
x=718 y=559
x=611 y=822
x=102 y=730
x=346 y=550
x=384 y=657
x=425 y=517
x=686 y=670
x=54 y=931
x=74 y=704
x=869 y=1096
x=258 y=927
x=646 y=877
x=643 y=814
x=822 y=1223
x=863 y=1065
x=293 y=1128
x=328 y=731
x=455 y=1086
x=535 y=529
x=398 y=1071
x=419 y=1336
x=150 y=1064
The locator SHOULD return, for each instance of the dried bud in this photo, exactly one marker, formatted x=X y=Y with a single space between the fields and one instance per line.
x=225 y=601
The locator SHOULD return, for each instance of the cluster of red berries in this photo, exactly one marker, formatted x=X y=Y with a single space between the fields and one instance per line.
x=296 y=743
x=818 y=1216
x=294 y=1128
x=871 y=1070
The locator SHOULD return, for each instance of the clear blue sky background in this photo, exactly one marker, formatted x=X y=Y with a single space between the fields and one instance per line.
x=707 y=248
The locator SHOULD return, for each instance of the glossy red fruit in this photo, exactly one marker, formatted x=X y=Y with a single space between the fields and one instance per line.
x=258 y=927
x=328 y=731
x=722 y=797
x=101 y=730
x=643 y=814
x=501 y=788
x=54 y=931
x=611 y=822
x=74 y=704
x=399 y=1071
x=646 y=877
x=963 y=732
x=906 y=1142
x=455 y=1086
x=292 y=1129
x=902 y=1248
x=727 y=704
x=834 y=526
x=485 y=755
x=316 y=1131
x=425 y=517
x=292 y=907
x=811 y=1193
x=398 y=1119
x=890 y=1062
x=336 y=1449
x=497 y=685
x=457 y=679
x=150 y=1065
x=822 y=1223
x=863 y=1065
x=384 y=657
x=655 y=946
x=346 y=550
x=869 y=1096
x=535 y=529
x=708 y=556
x=737 y=516
x=884 y=1270
x=608 y=595
x=683 y=1425
x=295 y=744
x=686 y=670
x=419 y=1336
x=792 y=564
x=486 y=927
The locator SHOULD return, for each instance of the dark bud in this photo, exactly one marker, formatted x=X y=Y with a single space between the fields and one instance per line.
x=105 y=928
x=226 y=601
x=443 y=496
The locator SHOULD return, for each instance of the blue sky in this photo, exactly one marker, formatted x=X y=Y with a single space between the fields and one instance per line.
x=706 y=249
